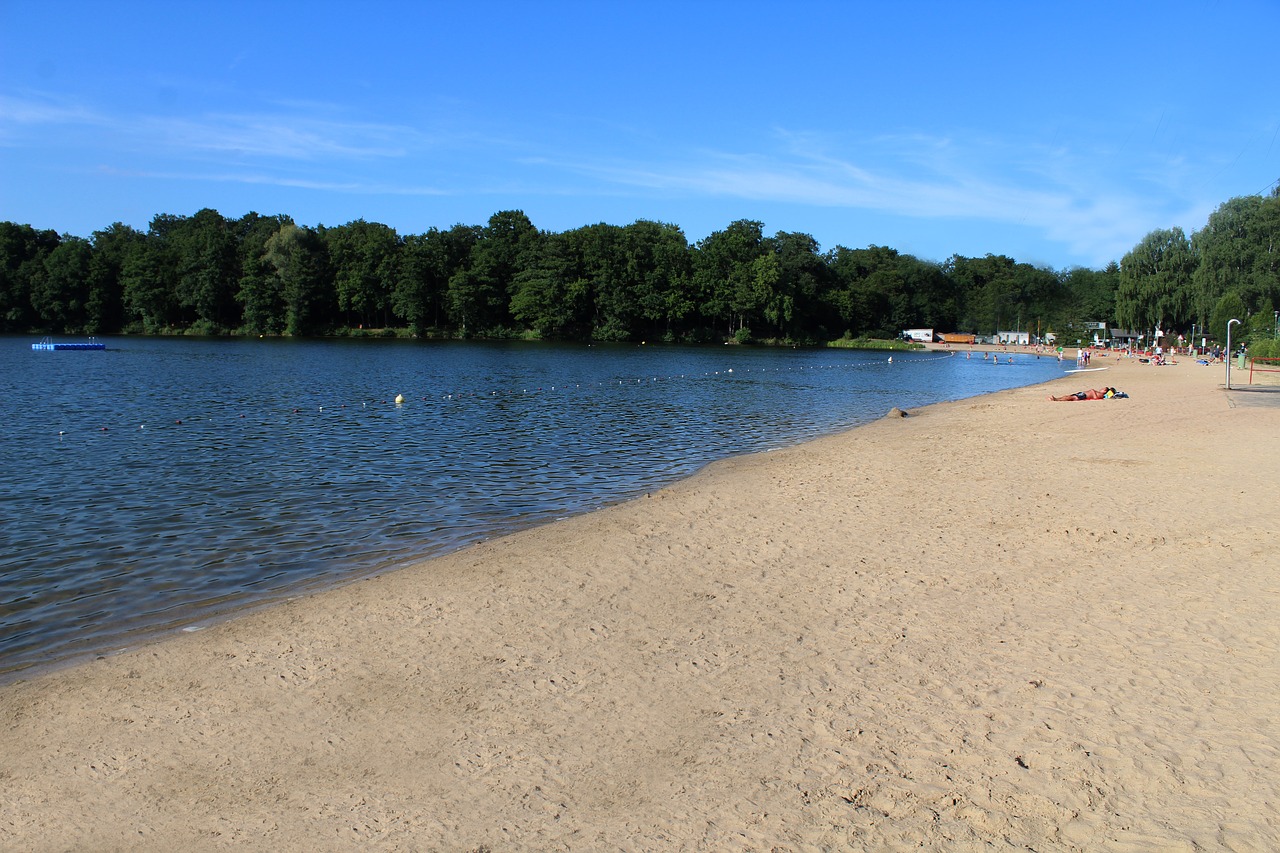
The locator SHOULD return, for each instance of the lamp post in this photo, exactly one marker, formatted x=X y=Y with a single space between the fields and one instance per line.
x=1276 y=334
x=1228 y=359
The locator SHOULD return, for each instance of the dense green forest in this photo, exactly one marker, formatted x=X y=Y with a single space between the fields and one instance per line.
x=267 y=275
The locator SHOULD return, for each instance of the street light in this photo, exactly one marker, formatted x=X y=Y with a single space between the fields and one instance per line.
x=1229 y=322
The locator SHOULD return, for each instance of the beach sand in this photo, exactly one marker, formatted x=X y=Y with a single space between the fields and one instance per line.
x=1000 y=621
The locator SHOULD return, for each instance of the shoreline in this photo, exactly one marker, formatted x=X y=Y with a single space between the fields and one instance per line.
x=88 y=640
x=999 y=620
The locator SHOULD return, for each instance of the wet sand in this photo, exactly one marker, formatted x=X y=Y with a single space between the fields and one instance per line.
x=997 y=621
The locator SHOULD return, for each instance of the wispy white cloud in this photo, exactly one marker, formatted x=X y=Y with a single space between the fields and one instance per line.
x=1066 y=195
x=28 y=111
x=280 y=137
x=285 y=135
x=913 y=176
x=268 y=179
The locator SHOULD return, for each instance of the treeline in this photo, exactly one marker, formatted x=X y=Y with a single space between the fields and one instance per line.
x=207 y=274
x=1229 y=269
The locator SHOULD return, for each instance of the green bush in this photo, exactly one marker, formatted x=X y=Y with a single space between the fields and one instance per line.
x=202 y=329
x=896 y=344
x=1265 y=348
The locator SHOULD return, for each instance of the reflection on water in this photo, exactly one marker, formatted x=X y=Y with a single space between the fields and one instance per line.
x=168 y=480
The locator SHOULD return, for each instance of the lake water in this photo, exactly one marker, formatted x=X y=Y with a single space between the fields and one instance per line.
x=167 y=481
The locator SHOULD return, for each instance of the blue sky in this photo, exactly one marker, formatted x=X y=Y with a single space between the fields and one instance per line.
x=1057 y=133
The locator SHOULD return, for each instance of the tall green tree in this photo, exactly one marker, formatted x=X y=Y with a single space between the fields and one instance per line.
x=1228 y=307
x=427 y=263
x=552 y=292
x=1092 y=293
x=300 y=258
x=848 y=268
x=991 y=291
x=1238 y=250
x=1041 y=296
x=479 y=295
x=935 y=299
x=260 y=291
x=112 y=248
x=1225 y=250
x=878 y=292
x=1154 y=289
x=1266 y=266
x=148 y=277
x=725 y=276
x=208 y=269
x=60 y=297
x=23 y=250
x=611 y=287
x=793 y=306
x=659 y=270
x=417 y=293
x=770 y=308
x=365 y=258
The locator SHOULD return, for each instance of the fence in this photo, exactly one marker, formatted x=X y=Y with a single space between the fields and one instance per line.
x=1253 y=366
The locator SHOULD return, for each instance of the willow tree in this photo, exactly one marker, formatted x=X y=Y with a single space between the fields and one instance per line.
x=1226 y=253
x=1155 y=284
x=300 y=258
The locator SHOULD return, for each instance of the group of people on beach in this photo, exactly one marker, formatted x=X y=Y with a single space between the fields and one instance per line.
x=1092 y=394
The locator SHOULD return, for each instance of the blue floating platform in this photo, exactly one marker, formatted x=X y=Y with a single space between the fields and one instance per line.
x=48 y=345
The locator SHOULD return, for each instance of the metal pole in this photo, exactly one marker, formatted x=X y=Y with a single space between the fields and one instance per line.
x=1229 y=352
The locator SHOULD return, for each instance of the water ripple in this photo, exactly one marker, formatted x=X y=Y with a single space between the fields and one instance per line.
x=166 y=481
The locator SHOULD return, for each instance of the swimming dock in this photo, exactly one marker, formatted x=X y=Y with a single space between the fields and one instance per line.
x=48 y=345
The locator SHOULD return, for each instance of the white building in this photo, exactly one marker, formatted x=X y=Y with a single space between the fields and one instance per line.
x=1018 y=339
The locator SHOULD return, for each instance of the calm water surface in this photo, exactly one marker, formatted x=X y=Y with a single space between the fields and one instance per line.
x=167 y=481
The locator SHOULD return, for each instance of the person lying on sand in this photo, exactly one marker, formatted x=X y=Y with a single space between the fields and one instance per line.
x=1091 y=394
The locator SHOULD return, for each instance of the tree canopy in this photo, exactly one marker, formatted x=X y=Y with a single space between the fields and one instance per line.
x=208 y=274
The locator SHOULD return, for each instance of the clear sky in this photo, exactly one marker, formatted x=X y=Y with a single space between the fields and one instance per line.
x=1057 y=133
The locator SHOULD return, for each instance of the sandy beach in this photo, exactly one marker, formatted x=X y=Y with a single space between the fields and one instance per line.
x=1002 y=621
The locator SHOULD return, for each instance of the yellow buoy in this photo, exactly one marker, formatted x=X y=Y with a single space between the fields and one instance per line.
x=399 y=399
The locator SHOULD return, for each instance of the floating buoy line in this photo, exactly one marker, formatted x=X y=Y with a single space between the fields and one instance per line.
x=401 y=401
